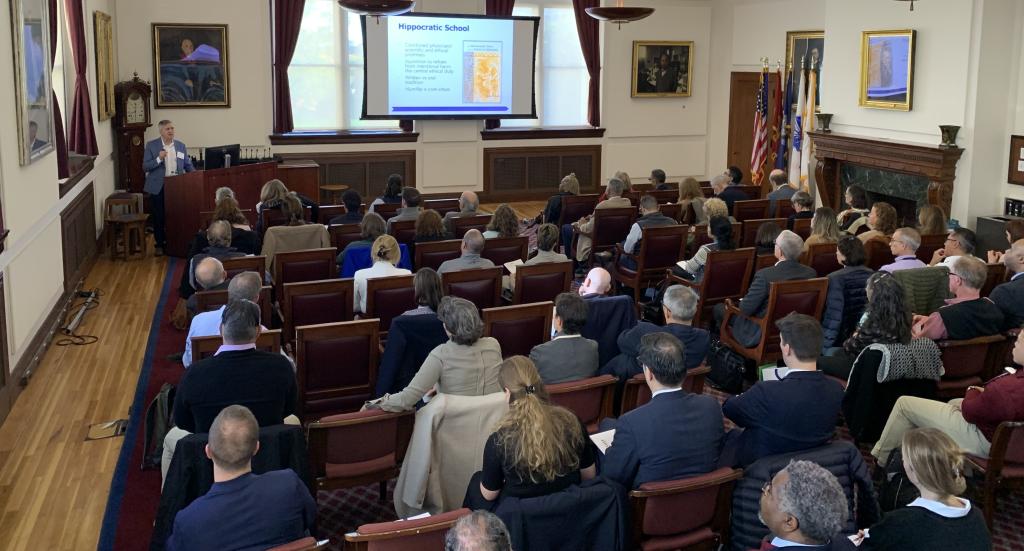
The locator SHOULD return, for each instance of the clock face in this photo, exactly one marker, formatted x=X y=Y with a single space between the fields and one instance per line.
x=135 y=109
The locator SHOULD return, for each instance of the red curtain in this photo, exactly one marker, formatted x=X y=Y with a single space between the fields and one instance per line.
x=81 y=135
x=287 y=21
x=502 y=8
x=60 y=141
x=590 y=41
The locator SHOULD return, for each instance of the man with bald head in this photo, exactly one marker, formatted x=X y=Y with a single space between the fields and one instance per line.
x=472 y=246
x=243 y=510
x=245 y=285
x=209 y=276
x=597 y=283
x=468 y=203
x=1009 y=296
x=781 y=191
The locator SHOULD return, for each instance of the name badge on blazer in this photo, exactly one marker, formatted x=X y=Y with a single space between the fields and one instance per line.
x=181 y=155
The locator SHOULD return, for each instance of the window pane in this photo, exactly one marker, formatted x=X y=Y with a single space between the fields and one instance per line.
x=315 y=104
x=561 y=43
x=318 y=37
x=355 y=103
x=565 y=96
x=355 y=38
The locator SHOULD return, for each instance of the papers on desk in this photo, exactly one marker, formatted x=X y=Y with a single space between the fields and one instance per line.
x=512 y=265
x=603 y=439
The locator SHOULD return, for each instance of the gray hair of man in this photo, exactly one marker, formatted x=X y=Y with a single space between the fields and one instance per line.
x=909 y=237
x=209 y=272
x=219 y=233
x=223 y=193
x=478 y=531
x=813 y=495
x=233 y=439
x=681 y=302
x=461 y=319
x=240 y=322
x=720 y=182
x=473 y=241
x=468 y=200
x=616 y=187
x=160 y=125
x=791 y=245
x=972 y=271
x=245 y=286
x=649 y=203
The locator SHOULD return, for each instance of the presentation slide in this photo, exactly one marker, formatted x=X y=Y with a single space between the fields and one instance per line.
x=449 y=66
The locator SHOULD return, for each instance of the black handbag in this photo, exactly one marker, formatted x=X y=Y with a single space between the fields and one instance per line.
x=896 y=489
x=727 y=368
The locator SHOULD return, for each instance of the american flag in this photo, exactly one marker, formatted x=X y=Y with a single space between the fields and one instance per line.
x=760 y=151
x=778 y=122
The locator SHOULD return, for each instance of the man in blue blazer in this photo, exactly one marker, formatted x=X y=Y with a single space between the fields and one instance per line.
x=164 y=156
x=675 y=435
x=1009 y=296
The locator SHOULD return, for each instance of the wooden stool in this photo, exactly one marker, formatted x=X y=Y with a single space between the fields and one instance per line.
x=132 y=230
x=334 y=192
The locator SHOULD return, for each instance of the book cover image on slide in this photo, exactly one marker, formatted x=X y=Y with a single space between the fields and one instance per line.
x=481 y=74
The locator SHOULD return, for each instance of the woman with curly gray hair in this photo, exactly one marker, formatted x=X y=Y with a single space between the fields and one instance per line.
x=804 y=506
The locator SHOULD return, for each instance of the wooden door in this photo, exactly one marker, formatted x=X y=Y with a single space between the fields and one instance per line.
x=742 y=103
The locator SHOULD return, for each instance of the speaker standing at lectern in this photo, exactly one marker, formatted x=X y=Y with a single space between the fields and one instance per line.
x=164 y=156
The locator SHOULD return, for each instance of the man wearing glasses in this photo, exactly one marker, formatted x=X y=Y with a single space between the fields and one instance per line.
x=903 y=245
x=967 y=315
x=961 y=242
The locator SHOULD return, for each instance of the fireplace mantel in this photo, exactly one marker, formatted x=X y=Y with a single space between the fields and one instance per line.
x=937 y=164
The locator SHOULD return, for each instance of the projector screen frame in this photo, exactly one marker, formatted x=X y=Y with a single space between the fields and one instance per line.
x=533 y=75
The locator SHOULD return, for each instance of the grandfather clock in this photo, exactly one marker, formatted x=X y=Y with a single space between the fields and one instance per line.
x=131 y=119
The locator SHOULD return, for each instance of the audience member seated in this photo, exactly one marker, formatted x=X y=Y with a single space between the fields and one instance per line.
x=650 y=217
x=881 y=223
x=1014 y=233
x=209 y=276
x=657 y=179
x=804 y=507
x=716 y=207
x=967 y=315
x=430 y=227
x=627 y=184
x=824 y=228
x=410 y=206
x=722 y=239
x=472 y=246
x=569 y=185
x=273 y=195
x=675 y=435
x=678 y=306
x=370 y=228
x=547 y=240
x=353 y=202
x=735 y=175
x=243 y=510
x=788 y=248
x=764 y=239
x=781 y=190
x=218 y=244
x=931 y=220
x=961 y=242
x=797 y=412
x=392 y=193
x=847 y=294
x=264 y=382
x=851 y=219
x=903 y=245
x=385 y=254
x=412 y=336
x=934 y=464
x=503 y=223
x=296 y=235
x=466 y=365
x=690 y=195
x=970 y=421
x=478 y=531
x=226 y=209
x=537 y=449
x=597 y=283
x=586 y=224
x=568 y=356
x=1009 y=296
x=726 y=192
x=244 y=286
x=803 y=207
x=468 y=203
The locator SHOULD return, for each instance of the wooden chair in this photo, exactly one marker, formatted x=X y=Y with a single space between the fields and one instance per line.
x=204 y=347
x=878 y=254
x=404 y=231
x=822 y=257
x=124 y=221
x=663 y=196
x=519 y=328
x=611 y=226
x=236 y=265
x=660 y=248
x=442 y=206
x=500 y=250
x=541 y=282
x=636 y=392
x=335 y=366
x=431 y=254
x=343 y=234
x=388 y=297
x=726 y=276
x=708 y=191
x=753 y=191
x=701 y=237
x=463 y=224
x=930 y=244
x=590 y=399
x=326 y=212
x=761 y=262
x=277 y=217
x=308 y=543
x=315 y=302
x=1005 y=462
x=575 y=207
x=784 y=297
x=689 y=513
x=421 y=533
x=481 y=286
x=753 y=209
x=672 y=210
x=802 y=227
x=207 y=301
x=387 y=210
x=306 y=265
x=966 y=363
x=783 y=209
x=750 y=228
x=995 y=275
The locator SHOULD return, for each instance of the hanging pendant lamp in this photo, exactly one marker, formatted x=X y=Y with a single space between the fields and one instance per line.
x=377 y=8
x=619 y=13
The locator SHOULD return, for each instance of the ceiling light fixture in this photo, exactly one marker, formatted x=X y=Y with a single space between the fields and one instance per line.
x=619 y=13
x=377 y=8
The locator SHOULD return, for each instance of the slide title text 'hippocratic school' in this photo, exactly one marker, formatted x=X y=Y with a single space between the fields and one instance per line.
x=448 y=28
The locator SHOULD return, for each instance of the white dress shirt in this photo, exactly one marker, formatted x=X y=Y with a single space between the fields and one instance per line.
x=204 y=324
x=942 y=509
x=171 y=161
x=380 y=268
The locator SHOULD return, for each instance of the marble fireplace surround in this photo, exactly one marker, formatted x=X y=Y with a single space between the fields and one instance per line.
x=935 y=164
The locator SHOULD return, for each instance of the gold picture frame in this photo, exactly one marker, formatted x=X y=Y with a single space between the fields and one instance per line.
x=106 y=74
x=651 y=81
x=190 y=65
x=800 y=46
x=887 y=69
x=30 y=35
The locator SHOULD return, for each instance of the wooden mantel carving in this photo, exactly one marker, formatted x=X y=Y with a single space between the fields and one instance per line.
x=832 y=149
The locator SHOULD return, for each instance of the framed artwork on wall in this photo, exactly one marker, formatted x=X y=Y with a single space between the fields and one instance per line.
x=804 y=49
x=1016 y=172
x=190 y=65
x=106 y=75
x=662 y=68
x=33 y=90
x=887 y=69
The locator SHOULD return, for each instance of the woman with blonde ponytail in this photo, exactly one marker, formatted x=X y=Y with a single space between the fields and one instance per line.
x=537 y=449
x=385 y=255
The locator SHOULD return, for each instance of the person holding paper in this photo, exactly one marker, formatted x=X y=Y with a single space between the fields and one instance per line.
x=675 y=435
x=163 y=156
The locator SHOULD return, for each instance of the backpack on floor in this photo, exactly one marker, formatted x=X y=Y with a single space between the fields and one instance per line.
x=896 y=489
x=159 y=421
x=727 y=367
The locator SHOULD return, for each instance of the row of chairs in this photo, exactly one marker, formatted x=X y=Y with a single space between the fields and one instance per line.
x=404 y=231
x=274 y=217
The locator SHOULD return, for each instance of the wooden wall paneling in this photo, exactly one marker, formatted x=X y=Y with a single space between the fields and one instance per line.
x=6 y=392
x=78 y=237
x=525 y=173
x=365 y=172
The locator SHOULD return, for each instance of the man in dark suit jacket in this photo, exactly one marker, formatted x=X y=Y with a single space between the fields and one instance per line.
x=1010 y=295
x=805 y=507
x=568 y=356
x=782 y=192
x=803 y=207
x=666 y=76
x=675 y=435
x=163 y=156
x=788 y=248
x=726 y=192
x=242 y=509
x=794 y=413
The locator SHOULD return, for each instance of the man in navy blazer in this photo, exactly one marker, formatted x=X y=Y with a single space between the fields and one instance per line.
x=795 y=413
x=675 y=435
x=1009 y=296
x=164 y=156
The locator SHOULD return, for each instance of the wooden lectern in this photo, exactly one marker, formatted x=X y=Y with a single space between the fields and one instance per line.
x=188 y=196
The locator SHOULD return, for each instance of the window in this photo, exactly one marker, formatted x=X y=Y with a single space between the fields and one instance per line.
x=561 y=74
x=326 y=73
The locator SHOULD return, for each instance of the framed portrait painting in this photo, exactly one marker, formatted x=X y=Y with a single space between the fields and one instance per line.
x=33 y=89
x=887 y=69
x=103 y=35
x=662 y=68
x=805 y=49
x=190 y=65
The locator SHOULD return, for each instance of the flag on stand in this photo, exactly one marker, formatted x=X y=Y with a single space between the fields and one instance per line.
x=798 y=132
x=777 y=122
x=786 y=123
x=808 y=125
x=760 y=151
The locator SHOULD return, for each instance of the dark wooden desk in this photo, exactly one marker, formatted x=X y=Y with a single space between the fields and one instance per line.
x=188 y=196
